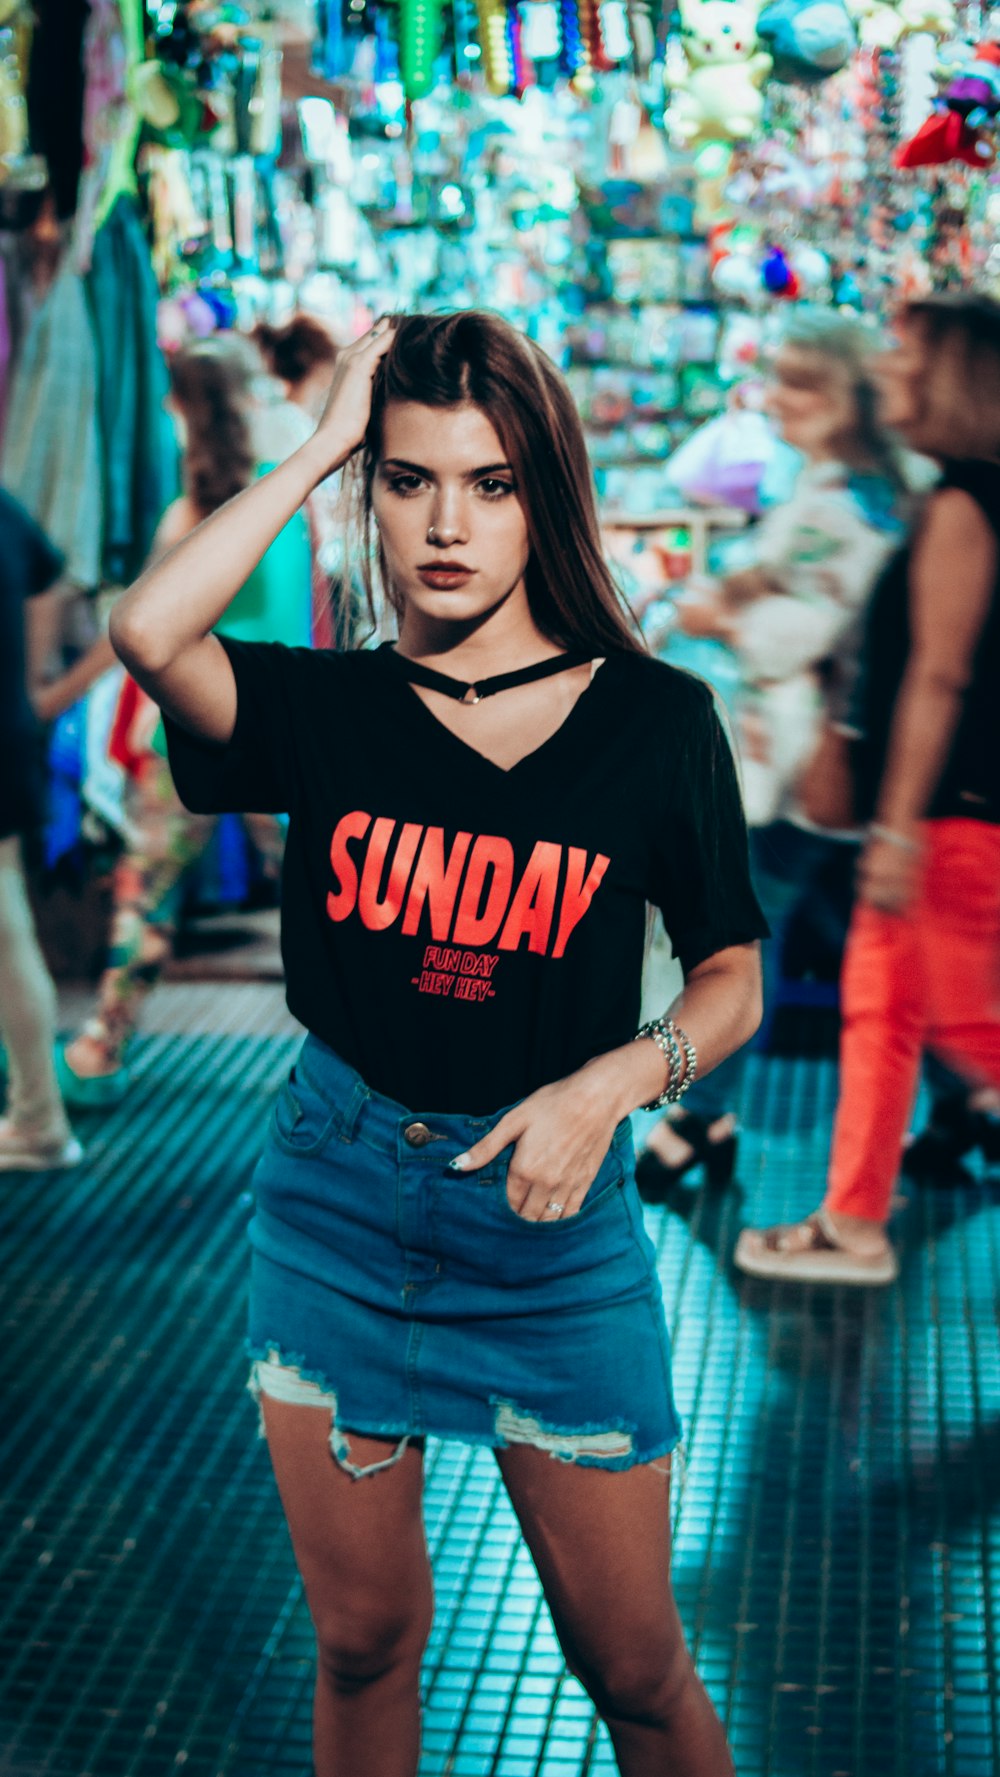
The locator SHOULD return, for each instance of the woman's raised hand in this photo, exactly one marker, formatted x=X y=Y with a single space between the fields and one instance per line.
x=345 y=416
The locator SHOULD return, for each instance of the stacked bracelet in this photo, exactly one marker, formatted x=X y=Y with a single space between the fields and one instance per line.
x=681 y=1057
x=891 y=837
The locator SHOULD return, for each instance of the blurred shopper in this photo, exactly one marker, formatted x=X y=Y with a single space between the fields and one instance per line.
x=301 y=354
x=213 y=393
x=792 y=620
x=960 y=1123
x=922 y=966
x=34 y=1133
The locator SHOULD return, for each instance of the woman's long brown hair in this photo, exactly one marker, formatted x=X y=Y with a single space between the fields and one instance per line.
x=212 y=384
x=477 y=358
x=960 y=386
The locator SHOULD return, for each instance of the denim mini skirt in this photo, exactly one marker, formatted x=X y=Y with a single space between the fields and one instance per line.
x=414 y=1301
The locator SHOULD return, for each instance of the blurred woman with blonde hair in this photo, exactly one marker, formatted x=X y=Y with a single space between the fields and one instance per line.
x=922 y=968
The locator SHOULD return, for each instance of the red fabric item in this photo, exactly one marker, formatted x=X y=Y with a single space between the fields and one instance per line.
x=120 y=745
x=929 y=978
x=945 y=136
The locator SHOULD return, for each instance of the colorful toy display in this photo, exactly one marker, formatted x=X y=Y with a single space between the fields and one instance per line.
x=808 y=40
x=719 y=98
x=962 y=124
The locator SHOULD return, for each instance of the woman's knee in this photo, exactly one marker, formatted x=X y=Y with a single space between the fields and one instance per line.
x=358 y=1647
x=643 y=1684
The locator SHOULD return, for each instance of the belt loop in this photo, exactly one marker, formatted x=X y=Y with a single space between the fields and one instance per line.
x=353 y=1109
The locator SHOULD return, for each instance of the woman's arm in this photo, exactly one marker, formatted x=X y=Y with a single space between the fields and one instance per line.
x=161 y=628
x=51 y=697
x=952 y=576
x=562 y=1132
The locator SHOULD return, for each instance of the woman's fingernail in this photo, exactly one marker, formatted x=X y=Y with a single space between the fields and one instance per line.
x=459 y=1164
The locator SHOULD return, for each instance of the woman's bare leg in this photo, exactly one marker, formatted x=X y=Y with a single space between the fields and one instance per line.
x=601 y=1543
x=362 y=1554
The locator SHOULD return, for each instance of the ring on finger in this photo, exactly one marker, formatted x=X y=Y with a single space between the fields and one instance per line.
x=555 y=1209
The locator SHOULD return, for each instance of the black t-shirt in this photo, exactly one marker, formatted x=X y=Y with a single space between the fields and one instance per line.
x=969 y=785
x=28 y=565
x=459 y=933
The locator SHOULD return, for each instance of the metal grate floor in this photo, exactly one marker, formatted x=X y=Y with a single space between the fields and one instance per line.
x=837 y=1557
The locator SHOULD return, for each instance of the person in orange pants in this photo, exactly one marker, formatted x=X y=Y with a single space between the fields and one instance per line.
x=922 y=966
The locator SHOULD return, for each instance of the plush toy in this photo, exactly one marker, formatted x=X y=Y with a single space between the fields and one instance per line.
x=807 y=39
x=879 y=26
x=935 y=18
x=720 y=98
x=961 y=125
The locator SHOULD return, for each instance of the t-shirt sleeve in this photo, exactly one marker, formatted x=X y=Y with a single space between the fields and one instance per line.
x=255 y=772
x=702 y=866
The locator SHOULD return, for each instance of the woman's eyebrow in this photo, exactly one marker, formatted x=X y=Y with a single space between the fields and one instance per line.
x=428 y=474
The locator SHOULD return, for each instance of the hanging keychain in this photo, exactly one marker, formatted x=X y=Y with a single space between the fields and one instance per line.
x=419 y=36
x=497 y=68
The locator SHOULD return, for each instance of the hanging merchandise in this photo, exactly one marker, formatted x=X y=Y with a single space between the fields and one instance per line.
x=52 y=449
x=55 y=97
x=572 y=53
x=642 y=31
x=13 y=106
x=522 y=73
x=112 y=51
x=808 y=40
x=719 y=98
x=498 y=71
x=465 y=34
x=138 y=450
x=962 y=124
x=419 y=36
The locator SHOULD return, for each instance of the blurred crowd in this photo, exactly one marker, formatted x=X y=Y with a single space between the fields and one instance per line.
x=854 y=631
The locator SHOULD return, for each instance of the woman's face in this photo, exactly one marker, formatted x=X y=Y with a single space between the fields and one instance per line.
x=899 y=373
x=449 y=513
x=811 y=404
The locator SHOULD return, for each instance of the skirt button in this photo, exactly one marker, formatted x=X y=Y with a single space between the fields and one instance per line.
x=417 y=1134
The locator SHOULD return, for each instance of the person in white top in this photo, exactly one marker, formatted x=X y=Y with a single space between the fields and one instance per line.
x=792 y=617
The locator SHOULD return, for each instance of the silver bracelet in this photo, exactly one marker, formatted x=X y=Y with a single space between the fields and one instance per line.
x=891 y=837
x=681 y=1057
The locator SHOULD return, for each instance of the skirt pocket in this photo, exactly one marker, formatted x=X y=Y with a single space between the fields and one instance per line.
x=302 y=1121
x=603 y=1191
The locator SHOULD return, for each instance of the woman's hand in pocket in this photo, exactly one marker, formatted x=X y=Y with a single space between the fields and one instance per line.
x=560 y=1136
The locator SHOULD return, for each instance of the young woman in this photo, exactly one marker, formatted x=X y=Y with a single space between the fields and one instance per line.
x=447 y=1239
x=792 y=619
x=212 y=388
x=922 y=967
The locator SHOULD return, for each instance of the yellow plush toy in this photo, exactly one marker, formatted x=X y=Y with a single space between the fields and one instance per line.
x=719 y=99
x=879 y=25
x=936 y=17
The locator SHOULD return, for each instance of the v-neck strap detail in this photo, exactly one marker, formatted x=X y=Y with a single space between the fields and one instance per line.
x=472 y=691
x=570 y=722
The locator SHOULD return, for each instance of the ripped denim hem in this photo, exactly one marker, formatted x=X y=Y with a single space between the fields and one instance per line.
x=585 y=1446
x=281 y=1378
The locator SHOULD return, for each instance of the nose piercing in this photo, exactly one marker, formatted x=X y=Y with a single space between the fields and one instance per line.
x=432 y=536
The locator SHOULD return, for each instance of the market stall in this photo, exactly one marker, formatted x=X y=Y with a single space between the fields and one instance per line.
x=642 y=190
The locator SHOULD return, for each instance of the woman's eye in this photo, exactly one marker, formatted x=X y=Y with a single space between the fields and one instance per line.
x=493 y=489
x=405 y=484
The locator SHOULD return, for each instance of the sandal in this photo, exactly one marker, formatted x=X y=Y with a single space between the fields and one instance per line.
x=92 y=1092
x=810 y=1252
